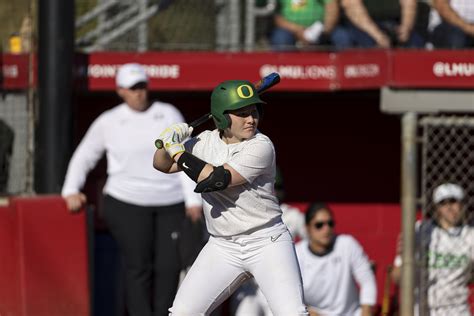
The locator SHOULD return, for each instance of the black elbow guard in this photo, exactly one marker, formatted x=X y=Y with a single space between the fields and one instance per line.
x=218 y=180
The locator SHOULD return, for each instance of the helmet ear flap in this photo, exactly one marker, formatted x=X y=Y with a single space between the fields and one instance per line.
x=228 y=120
x=224 y=123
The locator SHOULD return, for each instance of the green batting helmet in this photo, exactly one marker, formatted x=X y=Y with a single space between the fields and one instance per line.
x=232 y=95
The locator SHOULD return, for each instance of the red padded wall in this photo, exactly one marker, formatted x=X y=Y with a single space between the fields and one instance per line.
x=52 y=258
x=10 y=302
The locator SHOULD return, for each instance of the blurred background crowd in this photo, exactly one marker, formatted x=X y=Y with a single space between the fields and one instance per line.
x=250 y=25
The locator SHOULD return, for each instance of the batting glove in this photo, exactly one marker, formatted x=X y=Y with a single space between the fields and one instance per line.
x=174 y=149
x=172 y=137
x=176 y=133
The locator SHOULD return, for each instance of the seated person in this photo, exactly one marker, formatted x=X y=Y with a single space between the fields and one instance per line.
x=452 y=24
x=307 y=22
x=371 y=24
x=332 y=267
x=450 y=248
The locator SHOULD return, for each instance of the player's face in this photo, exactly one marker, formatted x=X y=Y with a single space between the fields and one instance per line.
x=136 y=97
x=244 y=123
x=450 y=213
x=321 y=229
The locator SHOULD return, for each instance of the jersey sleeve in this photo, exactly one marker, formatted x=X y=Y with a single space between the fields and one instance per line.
x=88 y=152
x=190 y=197
x=363 y=273
x=255 y=159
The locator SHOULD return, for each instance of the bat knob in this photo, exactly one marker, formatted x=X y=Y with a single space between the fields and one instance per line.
x=159 y=143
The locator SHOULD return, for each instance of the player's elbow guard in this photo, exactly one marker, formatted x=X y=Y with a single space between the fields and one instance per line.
x=218 y=180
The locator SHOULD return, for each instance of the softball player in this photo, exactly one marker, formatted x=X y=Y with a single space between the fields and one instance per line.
x=450 y=248
x=234 y=167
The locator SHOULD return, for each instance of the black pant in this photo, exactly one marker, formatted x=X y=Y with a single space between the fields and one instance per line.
x=148 y=240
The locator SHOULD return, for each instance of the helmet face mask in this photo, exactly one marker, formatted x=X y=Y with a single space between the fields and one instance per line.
x=232 y=95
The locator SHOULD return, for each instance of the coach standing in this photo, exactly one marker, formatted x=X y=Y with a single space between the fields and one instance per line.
x=143 y=209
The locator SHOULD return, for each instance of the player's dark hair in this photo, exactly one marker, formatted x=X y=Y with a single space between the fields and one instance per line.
x=315 y=208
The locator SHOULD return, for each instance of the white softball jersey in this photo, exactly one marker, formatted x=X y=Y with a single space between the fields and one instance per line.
x=127 y=137
x=329 y=281
x=450 y=260
x=248 y=236
x=243 y=208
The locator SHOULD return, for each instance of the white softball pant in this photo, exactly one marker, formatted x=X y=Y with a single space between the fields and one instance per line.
x=224 y=263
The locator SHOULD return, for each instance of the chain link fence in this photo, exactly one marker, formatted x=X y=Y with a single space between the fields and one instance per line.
x=15 y=157
x=447 y=155
x=16 y=134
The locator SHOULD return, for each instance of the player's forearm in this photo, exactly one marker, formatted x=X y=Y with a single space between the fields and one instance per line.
x=163 y=162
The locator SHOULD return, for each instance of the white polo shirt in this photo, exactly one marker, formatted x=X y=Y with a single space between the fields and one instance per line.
x=127 y=137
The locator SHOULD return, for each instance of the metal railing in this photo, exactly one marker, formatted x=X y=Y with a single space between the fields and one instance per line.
x=222 y=25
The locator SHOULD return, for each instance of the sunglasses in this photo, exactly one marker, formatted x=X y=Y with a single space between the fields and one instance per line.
x=139 y=86
x=319 y=225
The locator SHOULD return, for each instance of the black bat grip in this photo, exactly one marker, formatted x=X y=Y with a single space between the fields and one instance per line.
x=200 y=120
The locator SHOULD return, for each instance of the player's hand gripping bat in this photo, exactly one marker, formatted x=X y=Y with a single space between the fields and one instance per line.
x=262 y=85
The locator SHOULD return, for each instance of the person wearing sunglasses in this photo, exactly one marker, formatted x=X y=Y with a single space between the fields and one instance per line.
x=142 y=209
x=334 y=267
x=448 y=244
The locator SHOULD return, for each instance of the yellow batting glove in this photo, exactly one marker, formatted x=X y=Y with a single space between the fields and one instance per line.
x=173 y=134
x=174 y=149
